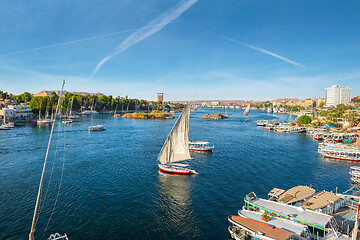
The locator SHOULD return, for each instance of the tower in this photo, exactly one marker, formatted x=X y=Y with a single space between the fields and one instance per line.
x=160 y=97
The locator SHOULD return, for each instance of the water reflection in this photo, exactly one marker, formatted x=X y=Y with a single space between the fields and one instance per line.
x=174 y=215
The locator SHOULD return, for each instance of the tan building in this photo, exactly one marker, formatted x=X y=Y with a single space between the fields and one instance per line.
x=320 y=101
x=160 y=97
x=307 y=103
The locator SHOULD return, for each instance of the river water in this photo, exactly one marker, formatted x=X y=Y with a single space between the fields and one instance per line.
x=111 y=187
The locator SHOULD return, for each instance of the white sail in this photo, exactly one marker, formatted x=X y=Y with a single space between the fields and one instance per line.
x=247 y=110
x=176 y=146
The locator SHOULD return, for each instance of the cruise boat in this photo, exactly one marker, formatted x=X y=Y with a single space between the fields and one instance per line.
x=319 y=224
x=269 y=126
x=338 y=137
x=89 y=112
x=318 y=136
x=97 y=128
x=201 y=146
x=262 y=123
x=176 y=147
x=4 y=127
x=297 y=130
x=294 y=196
x=355 y=174
x=250 y=225
x=340 y=152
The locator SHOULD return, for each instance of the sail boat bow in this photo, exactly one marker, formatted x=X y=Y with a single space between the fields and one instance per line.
x=176 y=147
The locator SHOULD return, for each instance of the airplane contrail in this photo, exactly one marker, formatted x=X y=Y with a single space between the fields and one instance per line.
x=158 y=24
x=80 y=40
x=264 y=51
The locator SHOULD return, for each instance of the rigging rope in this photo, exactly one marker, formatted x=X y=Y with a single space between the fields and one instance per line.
x=60 y=183
x=47 y=189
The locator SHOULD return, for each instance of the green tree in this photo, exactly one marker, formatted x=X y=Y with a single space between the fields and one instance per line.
x=304 y=119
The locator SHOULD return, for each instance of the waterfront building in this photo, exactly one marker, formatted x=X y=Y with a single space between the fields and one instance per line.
x=215 y=103
x=160 y=97
x=336 y=95
x=21 y=111
x=306 y=112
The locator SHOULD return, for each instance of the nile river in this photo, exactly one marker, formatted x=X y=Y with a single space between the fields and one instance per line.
x=111 y=187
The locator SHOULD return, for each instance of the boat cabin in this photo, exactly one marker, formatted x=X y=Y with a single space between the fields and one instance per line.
x=320 y=225
x=325 y=202
x=200 y=146
x=295 y=196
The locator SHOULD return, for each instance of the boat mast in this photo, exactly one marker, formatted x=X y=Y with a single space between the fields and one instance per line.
x=356 y=225
x=72 y=100
x=40 y=110
x=32 y=230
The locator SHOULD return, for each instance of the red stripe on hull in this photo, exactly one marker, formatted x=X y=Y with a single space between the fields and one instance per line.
x=172 y=172
x=201 y=150
x=345 y=159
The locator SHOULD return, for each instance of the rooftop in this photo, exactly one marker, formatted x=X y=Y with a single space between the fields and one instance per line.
x=299 y=214
x=256 y=226
x=296 y=194
x=320 y=200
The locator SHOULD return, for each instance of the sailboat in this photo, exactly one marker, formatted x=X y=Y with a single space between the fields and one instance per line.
x=56 y=236
x=71 y=116
x=176 y=147
x=247 y=110
x=116 y=115
x=4 y=126
x=45 y=120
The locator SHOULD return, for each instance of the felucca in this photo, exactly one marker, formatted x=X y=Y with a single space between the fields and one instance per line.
x=247 y=110
x=176 y=147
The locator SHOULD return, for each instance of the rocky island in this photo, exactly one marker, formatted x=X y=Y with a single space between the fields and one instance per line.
x=214 y=116
x=156 y=114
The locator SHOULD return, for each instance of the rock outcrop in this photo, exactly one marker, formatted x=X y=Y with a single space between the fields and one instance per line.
x=214 y=116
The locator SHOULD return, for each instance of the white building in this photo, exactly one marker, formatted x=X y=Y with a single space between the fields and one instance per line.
x=336 y=95
x=16 y=111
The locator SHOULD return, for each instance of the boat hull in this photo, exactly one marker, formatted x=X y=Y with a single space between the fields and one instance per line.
x=176 y=170
x=201 y=150
x=341 y=158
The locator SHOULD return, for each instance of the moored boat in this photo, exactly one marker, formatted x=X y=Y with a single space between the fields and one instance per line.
x=97 y=128
x=243 y=228
x=341 y=152
x=201 y=146
x=262 y=123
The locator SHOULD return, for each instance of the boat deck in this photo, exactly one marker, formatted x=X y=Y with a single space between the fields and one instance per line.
x=298 y=214
x=264 y=229
x=296 y=194
x=320 y=200
x=287 y=225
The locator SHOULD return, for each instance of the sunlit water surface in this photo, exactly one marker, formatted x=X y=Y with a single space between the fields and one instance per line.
x=112 y=189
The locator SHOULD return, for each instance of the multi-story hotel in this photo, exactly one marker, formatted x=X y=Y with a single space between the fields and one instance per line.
x=336 y=95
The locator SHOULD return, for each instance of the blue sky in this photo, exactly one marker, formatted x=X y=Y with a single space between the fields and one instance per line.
x=228 y=49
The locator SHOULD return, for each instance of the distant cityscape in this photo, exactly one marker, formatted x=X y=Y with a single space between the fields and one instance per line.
x=334 y=96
